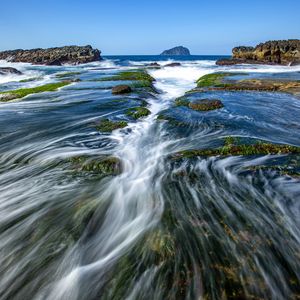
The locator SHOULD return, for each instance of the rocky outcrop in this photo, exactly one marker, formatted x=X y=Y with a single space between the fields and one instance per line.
x=8 y=70
x=283 y=52
x=180 y=50
x=53 y=56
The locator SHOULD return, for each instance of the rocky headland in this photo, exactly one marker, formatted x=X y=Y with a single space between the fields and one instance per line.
x=180 y=50
x=284 y=52
x=53 y=56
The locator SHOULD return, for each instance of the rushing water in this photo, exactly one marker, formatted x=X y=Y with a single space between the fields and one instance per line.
x=203 y=229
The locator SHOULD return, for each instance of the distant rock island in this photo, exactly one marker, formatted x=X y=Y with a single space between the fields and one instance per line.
x=180 y=50
x=53 y=56
x=284 y=52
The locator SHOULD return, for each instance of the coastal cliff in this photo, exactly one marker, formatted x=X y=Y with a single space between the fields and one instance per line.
x=180 y=50
x=53 y=56
x=284 y=52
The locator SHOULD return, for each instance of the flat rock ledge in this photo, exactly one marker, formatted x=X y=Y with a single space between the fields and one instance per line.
x=53 y=56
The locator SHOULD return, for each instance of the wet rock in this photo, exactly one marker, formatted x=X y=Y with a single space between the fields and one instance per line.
x=180 y=50
x=218 y=82
x=107 y=125
x=7 y=97
x=173 y=65
x=206 y=104
x=272 y=52
x=155 y=64
x=121 y=89
x=9 y=70
x=53 y=56
x=103 y=165
x=138 y=112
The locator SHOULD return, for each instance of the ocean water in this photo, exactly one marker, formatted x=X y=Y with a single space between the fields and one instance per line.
x=206 y=228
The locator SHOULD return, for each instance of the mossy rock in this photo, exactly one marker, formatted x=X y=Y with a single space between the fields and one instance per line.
x=121 y=89
x=107 y=125
x=20 y=93
x=67 y=74
x=243 y=149
x=206 y=104
x=213 y=79
x=182 y=101
x=103 y=165
x=30 y=79
x=138 y=112
x=140 y=75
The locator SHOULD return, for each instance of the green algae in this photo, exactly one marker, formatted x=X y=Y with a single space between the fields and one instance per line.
x=138 y=112
x=213 y=79
x=137 y=75
x=107 y=125
x=20 y=93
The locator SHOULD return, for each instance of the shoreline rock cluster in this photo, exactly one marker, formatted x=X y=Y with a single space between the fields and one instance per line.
x=53 y=56
x=283 y=52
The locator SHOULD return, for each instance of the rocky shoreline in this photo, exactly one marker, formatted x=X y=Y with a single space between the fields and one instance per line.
x=53 y=56
x=284 y=52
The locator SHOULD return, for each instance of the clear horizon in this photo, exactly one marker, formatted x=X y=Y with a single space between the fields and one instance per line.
x=147 y=29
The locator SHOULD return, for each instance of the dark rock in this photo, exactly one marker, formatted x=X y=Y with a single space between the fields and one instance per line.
x=294 y=63
x=155 y=64
x=282 y=52
x=173 y=65
x=180 y=50
x=206 y=104
x=53 y=56
x=55 y=62
x=8 y=70
x=121 y=89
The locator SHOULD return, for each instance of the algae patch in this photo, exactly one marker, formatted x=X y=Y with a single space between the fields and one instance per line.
x=20 y=93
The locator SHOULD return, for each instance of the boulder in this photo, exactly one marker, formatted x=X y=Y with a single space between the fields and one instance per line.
x=53 y=56
x=9 y=70
x=180 y=50
x=206 y=104
x=121 y=89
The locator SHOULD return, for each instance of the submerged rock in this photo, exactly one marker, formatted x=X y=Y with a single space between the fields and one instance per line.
x=121 y=89
x=138 y=112
x=9 y=70
x=176 y=64
x=206 y=104
x=53 y=56
x=107 y=125
x=180 y=50
x=283 y=52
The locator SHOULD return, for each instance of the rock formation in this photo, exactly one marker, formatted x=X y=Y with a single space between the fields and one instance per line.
x=283 y=52
x=53 y=56
x=180 y=50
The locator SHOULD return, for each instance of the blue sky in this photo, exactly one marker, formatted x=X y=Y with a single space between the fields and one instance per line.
x=147 y=27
